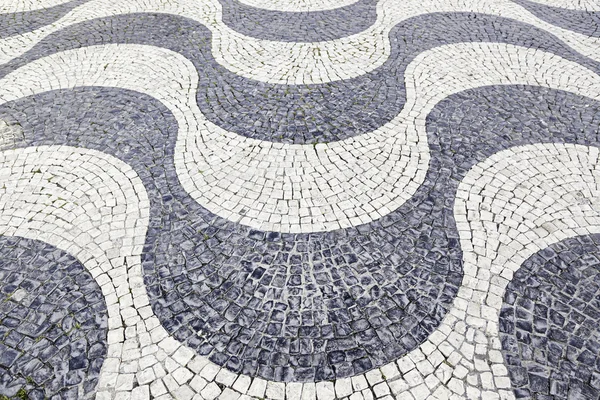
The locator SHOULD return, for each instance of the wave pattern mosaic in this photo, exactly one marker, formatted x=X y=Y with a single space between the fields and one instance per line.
x=299 y=199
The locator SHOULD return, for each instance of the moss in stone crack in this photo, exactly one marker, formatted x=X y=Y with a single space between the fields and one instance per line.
x=22 y=394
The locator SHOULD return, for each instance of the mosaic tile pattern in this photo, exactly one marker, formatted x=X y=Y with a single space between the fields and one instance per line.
x=16 y=23
x=299 y=113
x=305 y=199
x=54 y=322
x=294 y=26
x=580 y=19
x=271 y=307
x=549 y=322
x=297 y=62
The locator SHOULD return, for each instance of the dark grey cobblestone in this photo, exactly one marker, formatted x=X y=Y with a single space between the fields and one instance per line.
x=299 y=307
x=53 y=323
x=284 y=307
x=12 y=24
x=307 y=306
x=549 y=322
x=265 y=24
x=312 y=26
x=305 y=113
x=580 y=21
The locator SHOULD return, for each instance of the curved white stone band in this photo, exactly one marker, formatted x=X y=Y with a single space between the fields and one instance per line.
x=298 y=5
x=289 y=187
x=15 y=6
x=583 y=5
x=261 y=184
x=93 y=206
x=507 y=208
x=297 y=63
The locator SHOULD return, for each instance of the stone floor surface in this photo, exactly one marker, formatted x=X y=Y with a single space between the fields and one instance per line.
x=300 y=199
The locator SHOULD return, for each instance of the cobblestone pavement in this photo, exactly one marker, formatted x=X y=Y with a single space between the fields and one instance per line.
x=300 y=199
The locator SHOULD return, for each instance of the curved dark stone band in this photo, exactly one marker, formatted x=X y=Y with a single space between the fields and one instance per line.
x=274 y=25
x=549 y=322
x=304 y=307
x=53 y=322
x=13 y=24
x=580 y=21
x=314 y=26
x=280 y=306
x=299 y=114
